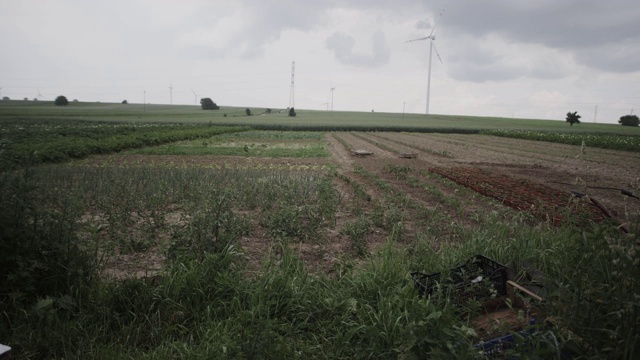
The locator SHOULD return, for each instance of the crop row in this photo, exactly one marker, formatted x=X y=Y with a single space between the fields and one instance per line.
x=245 y=144
x=55 y=141
x=604 y=141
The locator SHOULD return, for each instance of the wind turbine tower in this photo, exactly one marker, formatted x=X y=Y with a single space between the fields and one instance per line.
x=171 y=94
x=292 y=89
x=195 y=100
x=332 y=89
x=431 y=39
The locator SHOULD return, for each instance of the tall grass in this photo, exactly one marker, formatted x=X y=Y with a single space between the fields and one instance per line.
x=55 y=304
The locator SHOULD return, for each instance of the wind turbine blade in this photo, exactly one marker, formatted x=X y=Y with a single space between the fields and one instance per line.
x=419 y=39
x=438 y=19
x=437 y=54
x=194 y=93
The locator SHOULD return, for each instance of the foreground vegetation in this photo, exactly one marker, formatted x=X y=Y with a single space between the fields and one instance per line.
x=57 y=302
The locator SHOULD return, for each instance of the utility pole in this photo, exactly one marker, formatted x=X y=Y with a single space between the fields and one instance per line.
x=292 y=89
x=595 y=116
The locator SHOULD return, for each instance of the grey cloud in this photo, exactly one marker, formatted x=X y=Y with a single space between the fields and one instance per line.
x=342 y=45
x=479 y=73
x=622 y=56
x=488 y=59
x=423 y=24
x=266 y=20
x=578 y=26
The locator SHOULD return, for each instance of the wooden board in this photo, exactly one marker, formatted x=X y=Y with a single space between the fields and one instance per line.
x=508 y=313
x=361 y=153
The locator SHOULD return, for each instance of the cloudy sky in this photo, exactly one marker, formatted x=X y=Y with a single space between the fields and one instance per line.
x=507 y=58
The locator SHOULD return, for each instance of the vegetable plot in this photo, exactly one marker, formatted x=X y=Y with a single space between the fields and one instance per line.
x=523 y=195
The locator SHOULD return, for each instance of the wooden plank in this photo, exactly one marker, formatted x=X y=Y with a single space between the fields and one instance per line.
x=500 y=318
x=361 y=152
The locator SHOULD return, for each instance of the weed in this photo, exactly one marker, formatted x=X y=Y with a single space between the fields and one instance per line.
x=358 y=230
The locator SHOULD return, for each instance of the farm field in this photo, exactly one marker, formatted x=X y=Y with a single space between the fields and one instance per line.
x=268 y=244
x=306 y=119
x=410 y=190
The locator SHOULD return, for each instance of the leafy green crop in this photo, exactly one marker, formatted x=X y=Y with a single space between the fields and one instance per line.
x=604 y=141
x=39 y=141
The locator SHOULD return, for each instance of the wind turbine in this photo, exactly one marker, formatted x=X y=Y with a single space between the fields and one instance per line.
x=171 y=94
x=331 y=89
x=431 y=39
x=195 y=100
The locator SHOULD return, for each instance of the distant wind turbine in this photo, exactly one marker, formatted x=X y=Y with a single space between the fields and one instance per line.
x=332 y=88
x=171 y=94
x=195 y=100
x=431 y=39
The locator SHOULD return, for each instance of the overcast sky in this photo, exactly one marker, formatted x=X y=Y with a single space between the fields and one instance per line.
x=507 y=58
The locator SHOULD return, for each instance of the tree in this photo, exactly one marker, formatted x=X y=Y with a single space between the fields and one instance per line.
x=125 y=102
x=5 y=98
x=208 y=104
x=573 y=118
x=247 y=111
x=629 y=120
x=267 y=111
x=292 y=112
x=61 y=101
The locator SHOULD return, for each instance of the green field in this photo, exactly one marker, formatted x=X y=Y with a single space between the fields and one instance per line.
x=306 y=119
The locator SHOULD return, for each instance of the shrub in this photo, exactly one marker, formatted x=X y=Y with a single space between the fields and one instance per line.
x=208 y=104
x=629 y=120
x=292 y=112
x=573 y=118
x=247 y=111
x=61 y=101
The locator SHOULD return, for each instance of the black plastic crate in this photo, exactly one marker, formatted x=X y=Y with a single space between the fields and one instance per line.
x=479 y=278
